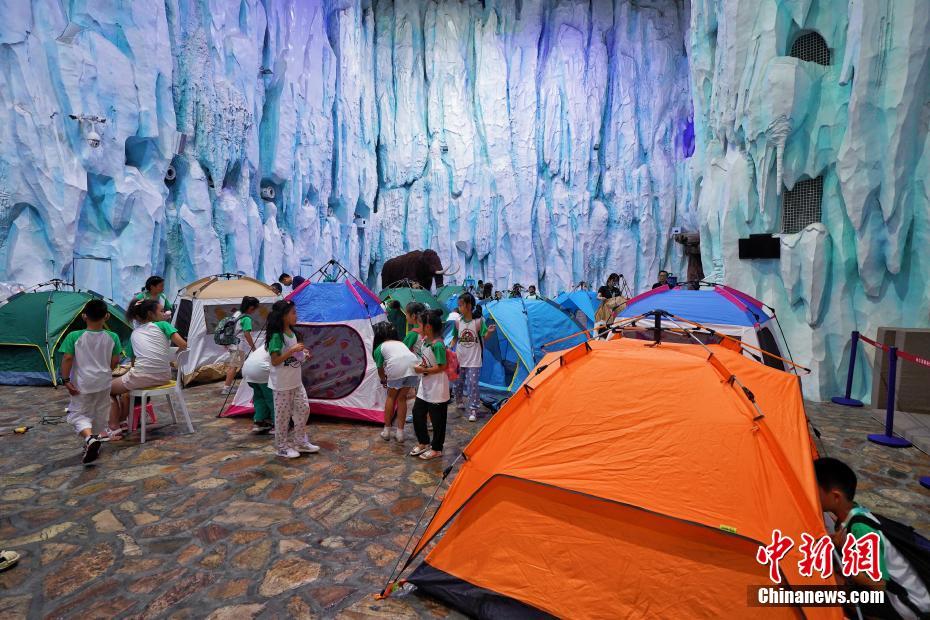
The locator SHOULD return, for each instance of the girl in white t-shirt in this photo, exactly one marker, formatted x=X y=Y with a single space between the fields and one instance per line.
x=150 y=348
x=255 y=371
x=286 y=382
x=433 y=394
x=395 y=364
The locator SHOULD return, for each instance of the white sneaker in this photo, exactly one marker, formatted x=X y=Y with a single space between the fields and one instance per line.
x=287 y=453
x=307 y=448
x=472 y=417
x=399 y=435
x=386 y=433
x=227 y=390
x=409 y=418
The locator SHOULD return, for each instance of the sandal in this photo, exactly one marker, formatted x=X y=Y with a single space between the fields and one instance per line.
x=109 y=434
x=429 y=455
x=8 y=559
x=417 y=450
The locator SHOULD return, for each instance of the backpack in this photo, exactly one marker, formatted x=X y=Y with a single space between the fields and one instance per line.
x=912 y=546
x=225 y=332
x=452 y=365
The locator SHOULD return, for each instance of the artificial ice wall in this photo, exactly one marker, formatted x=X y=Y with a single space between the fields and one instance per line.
x=538 y=141
x=764 y=121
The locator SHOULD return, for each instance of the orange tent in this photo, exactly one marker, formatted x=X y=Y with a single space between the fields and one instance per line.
x=627 y=480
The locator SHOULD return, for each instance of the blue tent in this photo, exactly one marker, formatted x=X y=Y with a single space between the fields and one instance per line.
x=523 y=326
x=586 y=301
x=335 y=302
x=717 y=306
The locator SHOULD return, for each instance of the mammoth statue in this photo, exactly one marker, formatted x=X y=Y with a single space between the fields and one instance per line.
x=418 y=266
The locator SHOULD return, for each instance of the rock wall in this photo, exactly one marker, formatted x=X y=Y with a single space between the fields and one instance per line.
x=539 y=142
x=764 y=121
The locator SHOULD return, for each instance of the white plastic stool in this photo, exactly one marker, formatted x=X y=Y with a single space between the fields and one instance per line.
x=168 y=390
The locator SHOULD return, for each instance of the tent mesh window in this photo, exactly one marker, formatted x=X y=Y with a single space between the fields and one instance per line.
x=339 y=361
x=801 y=206
x=811 y=47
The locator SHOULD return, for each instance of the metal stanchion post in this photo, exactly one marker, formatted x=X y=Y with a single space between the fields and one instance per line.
x=847 y=400
x=887 y=438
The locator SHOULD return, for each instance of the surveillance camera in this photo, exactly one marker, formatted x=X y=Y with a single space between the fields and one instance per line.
x=93 y=139
x=268 y=192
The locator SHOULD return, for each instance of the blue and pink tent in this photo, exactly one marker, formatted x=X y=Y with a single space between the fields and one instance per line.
x=722 y=309
x=335 y=322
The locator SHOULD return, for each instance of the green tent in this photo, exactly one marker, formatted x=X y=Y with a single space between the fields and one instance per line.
x=33 y=325
x=405 y=295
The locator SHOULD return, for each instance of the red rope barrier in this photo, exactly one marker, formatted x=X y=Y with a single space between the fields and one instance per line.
x=902 y=354
x=883 y=347
x=913 y=358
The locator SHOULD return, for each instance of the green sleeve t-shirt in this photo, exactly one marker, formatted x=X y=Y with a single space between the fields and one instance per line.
x=92 y=351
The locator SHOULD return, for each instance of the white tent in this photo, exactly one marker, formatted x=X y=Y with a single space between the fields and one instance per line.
x=201 y=307
x=335 y=322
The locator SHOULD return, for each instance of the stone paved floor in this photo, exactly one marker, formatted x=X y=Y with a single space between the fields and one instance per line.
x=189 y=526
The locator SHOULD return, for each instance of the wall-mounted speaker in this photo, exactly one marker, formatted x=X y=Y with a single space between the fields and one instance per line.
x=760 y=246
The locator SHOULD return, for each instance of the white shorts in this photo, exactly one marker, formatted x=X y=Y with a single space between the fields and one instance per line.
x=133 y=380
x=90 y=410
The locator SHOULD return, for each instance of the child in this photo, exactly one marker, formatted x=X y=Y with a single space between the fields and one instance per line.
x=433 y=394
x=414 y=341
x=155 y=289
x=90 y=355
x=396 y=365
x=467 y=335
x=397 y=318
x=837 y=485
x=286 y=382
x=150 y=346
x=255 y=372
x=243 y=321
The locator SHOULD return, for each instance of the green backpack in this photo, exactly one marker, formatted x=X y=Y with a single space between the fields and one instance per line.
x=225 y=332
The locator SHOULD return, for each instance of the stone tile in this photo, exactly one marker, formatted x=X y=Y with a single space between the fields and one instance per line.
x=106 y=523
x=47 y=533
x=211 y=533
x=289 y=545
x=77 y=571
x=53 y=551
x=17 y=494
x=177 y=593
x=328 y=596
x=230 y=589
x=15 y=606
x=287 y=574
x=243 y=537
x=254 y=557
x=254 y=514
x=237 y=612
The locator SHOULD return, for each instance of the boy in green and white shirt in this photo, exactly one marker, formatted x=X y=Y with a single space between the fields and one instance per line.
x=90 y=355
